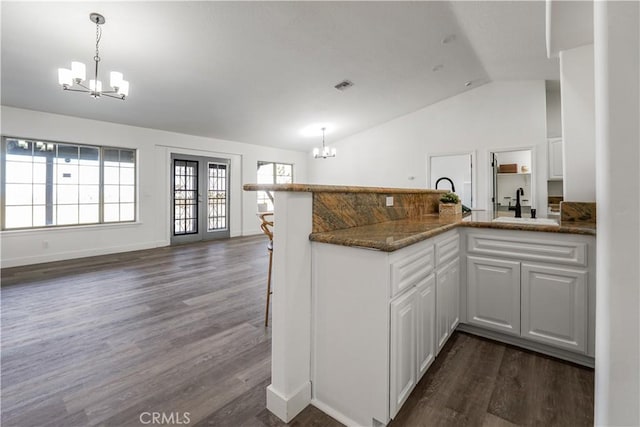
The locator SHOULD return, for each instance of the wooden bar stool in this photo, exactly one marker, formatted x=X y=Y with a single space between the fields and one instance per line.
x=267 y=228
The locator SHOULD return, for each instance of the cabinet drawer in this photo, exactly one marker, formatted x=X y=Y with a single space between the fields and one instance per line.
x=559 y=252
x=410 y=266
x=447 y=249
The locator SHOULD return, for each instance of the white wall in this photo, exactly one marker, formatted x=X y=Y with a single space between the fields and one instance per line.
x=154 y=149
x=554 y=113
x=497 y=115
x=578 y=118
x=617 y=79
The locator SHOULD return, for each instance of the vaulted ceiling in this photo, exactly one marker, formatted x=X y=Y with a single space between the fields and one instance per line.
x=263 y=72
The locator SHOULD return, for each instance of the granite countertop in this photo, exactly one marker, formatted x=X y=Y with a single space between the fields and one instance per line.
x=313 y=188
x=393 y=235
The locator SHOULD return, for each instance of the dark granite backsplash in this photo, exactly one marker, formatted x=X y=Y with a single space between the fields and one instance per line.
x=578 y=211
x=335 y=211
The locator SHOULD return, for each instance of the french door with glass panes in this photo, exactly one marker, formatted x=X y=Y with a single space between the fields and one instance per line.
x=199 y=198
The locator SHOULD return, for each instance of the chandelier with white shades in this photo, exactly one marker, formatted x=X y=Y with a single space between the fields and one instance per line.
x=78 y=73
x=325 y=152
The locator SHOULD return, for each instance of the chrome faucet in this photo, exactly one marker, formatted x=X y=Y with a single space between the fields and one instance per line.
x=519 y=192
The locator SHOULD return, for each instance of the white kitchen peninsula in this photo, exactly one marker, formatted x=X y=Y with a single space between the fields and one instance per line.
x=379 y=320
x=365 y=294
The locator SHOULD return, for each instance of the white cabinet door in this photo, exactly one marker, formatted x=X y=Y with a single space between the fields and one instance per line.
x=453 y=285
x=554 y=306
x=442 y=308
x=493 y=294
x=403 y=349
x=555 y=159
x=426 y=313
x=447 y=294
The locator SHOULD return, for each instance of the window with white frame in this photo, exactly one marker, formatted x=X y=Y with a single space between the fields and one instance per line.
x=272 y=173
x=48 y=184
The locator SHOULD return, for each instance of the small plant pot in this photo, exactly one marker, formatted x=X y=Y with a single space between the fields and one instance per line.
x=448 y=209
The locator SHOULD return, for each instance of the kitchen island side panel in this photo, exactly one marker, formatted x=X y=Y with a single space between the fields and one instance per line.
x=350 y=330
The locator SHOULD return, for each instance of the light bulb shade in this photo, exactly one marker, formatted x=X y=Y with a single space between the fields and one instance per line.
x=115 y=79
x=78 y=71
x=93 y=87
x=316 y=152
x=333 y=152
x=123 y=89
x=64 y=77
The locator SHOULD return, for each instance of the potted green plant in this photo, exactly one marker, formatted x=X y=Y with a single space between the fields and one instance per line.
x=450 y=204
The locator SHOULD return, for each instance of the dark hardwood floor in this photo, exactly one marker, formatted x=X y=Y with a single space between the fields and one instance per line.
x=479 y=382
x=102 y=340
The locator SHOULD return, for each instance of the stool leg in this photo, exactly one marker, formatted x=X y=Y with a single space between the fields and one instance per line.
x=266 y=315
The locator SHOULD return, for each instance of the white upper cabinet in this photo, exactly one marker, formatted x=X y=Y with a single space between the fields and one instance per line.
x=555 y=159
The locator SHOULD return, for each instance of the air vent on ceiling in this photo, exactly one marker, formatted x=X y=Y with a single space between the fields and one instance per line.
x=343 y=85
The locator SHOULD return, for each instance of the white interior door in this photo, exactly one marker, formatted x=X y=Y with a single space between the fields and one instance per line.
x=453 y=171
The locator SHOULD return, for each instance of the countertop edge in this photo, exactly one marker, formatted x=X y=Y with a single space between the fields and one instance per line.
x=385 y=247
x=312 y=188
x=326 y=237
x=563 y=228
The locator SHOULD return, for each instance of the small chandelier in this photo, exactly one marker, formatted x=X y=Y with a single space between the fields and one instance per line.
x=326 y=151
x=78 y=73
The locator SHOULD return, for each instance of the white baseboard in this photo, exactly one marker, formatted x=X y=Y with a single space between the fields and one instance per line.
x=61 y=256
x=252 y=232
x=338 y=416
x=286 y=408
x=7 y=262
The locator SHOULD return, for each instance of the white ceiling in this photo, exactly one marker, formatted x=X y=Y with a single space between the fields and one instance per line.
x=261 y=72
x=508 y=37
x=569 y=24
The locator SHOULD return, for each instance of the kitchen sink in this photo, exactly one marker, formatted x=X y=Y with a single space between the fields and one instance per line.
x=527 y=221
